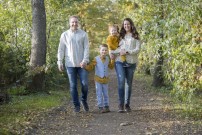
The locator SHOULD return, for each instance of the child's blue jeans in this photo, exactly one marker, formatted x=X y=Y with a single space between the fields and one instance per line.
x=102 y=94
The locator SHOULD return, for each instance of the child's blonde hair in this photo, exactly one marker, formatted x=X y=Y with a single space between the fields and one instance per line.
x=113 y=26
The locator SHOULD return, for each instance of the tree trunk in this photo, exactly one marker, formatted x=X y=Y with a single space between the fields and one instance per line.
x=4 y=98
x=38 y=50
x=158 y=71
x=158 y=79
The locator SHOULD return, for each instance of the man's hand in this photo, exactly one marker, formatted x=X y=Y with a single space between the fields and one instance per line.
x=61 y=68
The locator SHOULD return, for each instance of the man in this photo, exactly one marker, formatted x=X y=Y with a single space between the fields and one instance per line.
x=74 y=47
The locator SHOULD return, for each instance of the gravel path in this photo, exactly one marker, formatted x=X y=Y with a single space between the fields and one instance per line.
x=150 y=115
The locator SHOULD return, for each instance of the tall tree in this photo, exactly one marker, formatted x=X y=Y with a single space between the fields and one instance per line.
x=38 y=50
x=158 y=71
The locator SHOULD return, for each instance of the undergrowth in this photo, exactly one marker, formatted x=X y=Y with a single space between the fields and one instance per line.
x=190 y=110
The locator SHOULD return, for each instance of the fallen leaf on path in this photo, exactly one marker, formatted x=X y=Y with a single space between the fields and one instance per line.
x=126 y=123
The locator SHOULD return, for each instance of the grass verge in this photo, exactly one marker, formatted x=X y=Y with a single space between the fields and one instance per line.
x=23 y=109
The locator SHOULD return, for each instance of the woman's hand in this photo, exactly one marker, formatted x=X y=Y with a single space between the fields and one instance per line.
x=123 y=52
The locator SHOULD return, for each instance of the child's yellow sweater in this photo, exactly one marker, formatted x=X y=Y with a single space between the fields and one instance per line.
x=113 y=44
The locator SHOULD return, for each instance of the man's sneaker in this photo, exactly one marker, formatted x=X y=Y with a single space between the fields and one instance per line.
x=106 y=109
x=77 y=109
x=127 y=108
x=85 y=106
x=121 y=109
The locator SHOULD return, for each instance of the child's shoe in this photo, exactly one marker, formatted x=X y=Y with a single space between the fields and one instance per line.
x=101 y=110
x=106 y=109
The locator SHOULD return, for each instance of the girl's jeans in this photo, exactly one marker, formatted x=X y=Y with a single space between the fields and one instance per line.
x=102 y=94
x=73 y=74
x=125 y=78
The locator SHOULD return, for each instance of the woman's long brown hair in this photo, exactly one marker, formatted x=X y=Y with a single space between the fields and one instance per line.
x=134 y=32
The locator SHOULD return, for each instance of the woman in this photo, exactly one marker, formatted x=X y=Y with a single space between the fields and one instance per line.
x=129 y=47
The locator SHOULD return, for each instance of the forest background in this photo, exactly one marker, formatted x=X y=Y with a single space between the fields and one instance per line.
x=170 y=32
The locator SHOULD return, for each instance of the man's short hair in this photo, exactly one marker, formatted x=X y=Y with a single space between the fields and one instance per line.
x=73 y=16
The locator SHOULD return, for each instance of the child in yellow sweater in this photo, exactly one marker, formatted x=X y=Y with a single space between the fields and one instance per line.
x=113 y=41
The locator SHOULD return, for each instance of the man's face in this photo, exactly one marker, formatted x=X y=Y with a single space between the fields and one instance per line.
x=73 y=23
x=103 y=51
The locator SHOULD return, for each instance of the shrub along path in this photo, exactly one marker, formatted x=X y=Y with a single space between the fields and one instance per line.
x=151 y=114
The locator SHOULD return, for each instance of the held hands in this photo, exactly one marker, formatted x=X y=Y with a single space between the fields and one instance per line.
x=82 y=64
x=112 y=56
x=61 y=68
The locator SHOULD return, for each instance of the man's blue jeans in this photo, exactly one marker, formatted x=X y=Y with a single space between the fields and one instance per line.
x=125 y=78
x=74 y=73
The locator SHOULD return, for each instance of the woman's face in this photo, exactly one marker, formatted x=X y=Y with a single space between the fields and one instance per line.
x=127 y=26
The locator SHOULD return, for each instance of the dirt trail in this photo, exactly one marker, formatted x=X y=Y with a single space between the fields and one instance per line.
x=150 y=116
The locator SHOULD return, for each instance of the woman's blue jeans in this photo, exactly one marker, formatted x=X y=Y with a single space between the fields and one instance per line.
x=75 y=73
x=125 y=78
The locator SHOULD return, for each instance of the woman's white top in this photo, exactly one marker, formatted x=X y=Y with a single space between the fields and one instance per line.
x=132 y=46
